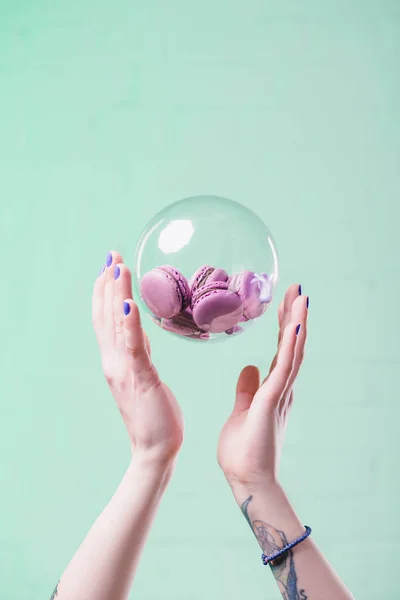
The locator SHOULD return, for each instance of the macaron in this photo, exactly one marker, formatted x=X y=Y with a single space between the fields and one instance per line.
x=233 y=330
x=206 y=274
x=184 y=325
x=165 y=291
x=216 y=308
x=253 y=291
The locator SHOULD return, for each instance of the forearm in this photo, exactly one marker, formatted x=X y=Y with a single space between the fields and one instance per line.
x=301 y=573
x=105 y=563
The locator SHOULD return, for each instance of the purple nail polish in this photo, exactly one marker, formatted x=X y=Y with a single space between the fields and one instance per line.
x=299 y=290
x=298 y=329
x=109 y=259
x=103 y=268
x=117 y=272
x=308 y=301
x=127 y=308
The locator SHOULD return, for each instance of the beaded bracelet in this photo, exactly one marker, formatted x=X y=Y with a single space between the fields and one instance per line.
x=270 y=559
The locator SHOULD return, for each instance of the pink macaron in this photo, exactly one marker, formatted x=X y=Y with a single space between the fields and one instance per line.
x=165 y=291
x=184 y=325
x=206 y=274
x=253 y=292
x=216 y=308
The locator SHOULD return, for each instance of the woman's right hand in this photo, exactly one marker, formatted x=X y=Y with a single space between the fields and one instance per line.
x=251 y=440
x=149 y=409
x=249 y=450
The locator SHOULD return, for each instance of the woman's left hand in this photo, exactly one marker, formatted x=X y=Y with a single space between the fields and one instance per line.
x=105 y=563
x=149 y=409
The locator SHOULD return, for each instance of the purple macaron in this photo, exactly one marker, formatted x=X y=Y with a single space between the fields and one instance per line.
x=184 y=325
x=216 y=308
x=165 y=291
x=253 y=291
x=206 y=274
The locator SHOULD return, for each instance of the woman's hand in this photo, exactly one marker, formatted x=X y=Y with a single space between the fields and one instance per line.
x=105 y=563
x=249 y=450
x=251 y=440
x=150 y=411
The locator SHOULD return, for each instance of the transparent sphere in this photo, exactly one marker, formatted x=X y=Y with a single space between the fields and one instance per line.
x=205 y=268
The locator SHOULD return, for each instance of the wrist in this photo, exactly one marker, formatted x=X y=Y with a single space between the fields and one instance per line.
x=265 y=486
x=146 y=466
x=268 y=502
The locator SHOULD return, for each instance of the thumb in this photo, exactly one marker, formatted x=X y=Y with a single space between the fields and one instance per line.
x=247 y=385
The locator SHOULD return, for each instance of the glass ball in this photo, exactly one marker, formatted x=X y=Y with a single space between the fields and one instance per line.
x=205 y=268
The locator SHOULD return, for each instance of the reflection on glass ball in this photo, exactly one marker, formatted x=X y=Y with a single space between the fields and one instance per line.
x=205 y=268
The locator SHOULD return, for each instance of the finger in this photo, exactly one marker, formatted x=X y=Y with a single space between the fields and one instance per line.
x=247 y=385
x=284 y=316
x=272 y=366
x=280 y=316
x=293 y=292
x=299 y=315
x=123 y=290
x=135 y=343
x=275 y=385
x=98 y=306
x=147 y=343
x=112 y=259
x=280 y=321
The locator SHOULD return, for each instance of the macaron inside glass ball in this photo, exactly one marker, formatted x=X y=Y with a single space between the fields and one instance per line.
x=216 y=308
x=206 y=274
x=165 y=291
x=184 y=325
x=254 y=291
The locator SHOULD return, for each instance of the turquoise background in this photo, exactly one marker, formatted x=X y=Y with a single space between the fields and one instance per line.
x=109 y=111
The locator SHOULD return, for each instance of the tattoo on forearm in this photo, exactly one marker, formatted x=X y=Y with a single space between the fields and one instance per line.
x=55 y=593
x=271 y=541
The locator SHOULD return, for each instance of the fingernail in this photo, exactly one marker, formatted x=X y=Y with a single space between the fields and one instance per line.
x=109 y=259
x=127 y=308
x=298 y=329
x=103 y=268
x=299 y=290
x=308 y=301
x=117 y=272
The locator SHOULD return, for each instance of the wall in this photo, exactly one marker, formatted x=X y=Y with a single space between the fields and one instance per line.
x=109 y=111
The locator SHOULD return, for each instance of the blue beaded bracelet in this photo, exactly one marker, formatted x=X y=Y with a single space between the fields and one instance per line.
x=268 y=559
